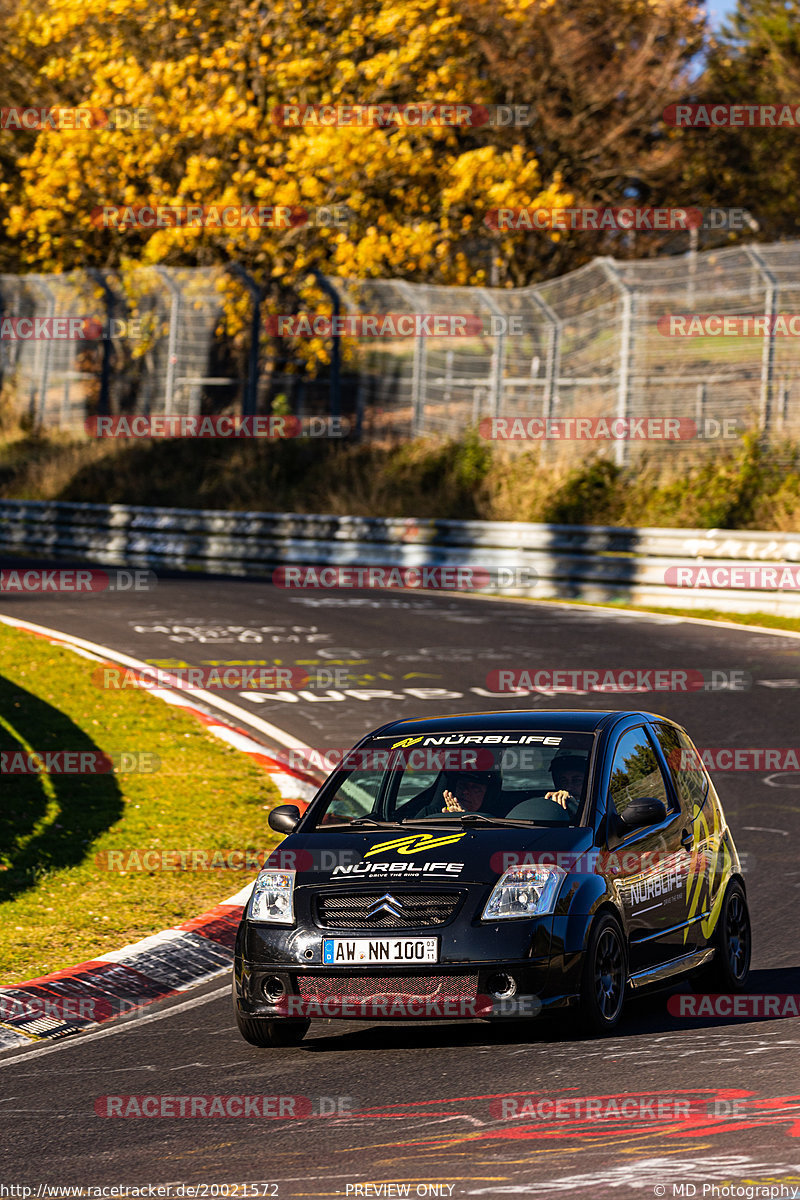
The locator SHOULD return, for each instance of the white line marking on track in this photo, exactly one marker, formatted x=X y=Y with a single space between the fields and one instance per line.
x=90 y=650
x=234 y=710
x=630 y=613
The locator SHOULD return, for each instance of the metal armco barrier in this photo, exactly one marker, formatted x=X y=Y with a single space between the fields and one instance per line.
x=591 y=562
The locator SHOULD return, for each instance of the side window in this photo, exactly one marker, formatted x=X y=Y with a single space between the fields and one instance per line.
x=412 y=785
x=355 y=797
x=685 y=765
x=635 y=772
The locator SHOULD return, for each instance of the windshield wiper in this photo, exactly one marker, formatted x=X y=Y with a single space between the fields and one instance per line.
x=467 y=818
x=371 y=821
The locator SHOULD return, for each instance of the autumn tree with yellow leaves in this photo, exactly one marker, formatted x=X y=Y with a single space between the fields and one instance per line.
x=210 y=77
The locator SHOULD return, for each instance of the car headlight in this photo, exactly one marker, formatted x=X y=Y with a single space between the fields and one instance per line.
x=524 y=892
x=272 y=898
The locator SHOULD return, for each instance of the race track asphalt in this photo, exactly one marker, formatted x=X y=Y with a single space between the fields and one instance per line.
x=422 y=1104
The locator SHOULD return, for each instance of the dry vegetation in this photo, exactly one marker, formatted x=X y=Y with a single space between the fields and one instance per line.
x=740 y=485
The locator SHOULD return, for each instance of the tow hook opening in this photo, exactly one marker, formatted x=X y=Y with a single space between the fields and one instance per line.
x=273 y=988
x=501 y=986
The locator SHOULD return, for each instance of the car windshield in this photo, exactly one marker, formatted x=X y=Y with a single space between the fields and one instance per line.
x=537 y=778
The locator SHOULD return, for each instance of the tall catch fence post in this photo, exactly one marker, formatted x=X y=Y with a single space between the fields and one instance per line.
x=172 y=340
x=768 y=348
x=625 y=354
x=497 y=368
x=336 y=348
x=250 y=384
x=419 y=369
x=552 y=367
x=40 y=374
x=109 y=300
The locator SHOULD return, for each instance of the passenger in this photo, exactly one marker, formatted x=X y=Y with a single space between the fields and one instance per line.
x=568 y=772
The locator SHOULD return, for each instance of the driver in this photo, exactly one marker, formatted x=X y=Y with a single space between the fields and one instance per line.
x=568 y=771
x=467 y=791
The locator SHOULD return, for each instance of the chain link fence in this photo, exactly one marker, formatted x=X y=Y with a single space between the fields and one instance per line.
x=593 y=344
x=588 y=345
x=153 y=337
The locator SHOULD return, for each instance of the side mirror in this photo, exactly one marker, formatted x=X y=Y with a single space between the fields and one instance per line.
x=284 y=818
x=645 y=810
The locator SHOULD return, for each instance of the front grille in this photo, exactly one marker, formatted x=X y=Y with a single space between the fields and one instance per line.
x=380 y=987
x=419 y=910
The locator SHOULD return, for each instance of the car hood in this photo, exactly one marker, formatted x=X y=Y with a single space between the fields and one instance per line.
x=434 y=855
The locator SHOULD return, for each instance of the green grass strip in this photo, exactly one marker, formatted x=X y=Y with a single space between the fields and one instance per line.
x=758 y=619
x=59 y=902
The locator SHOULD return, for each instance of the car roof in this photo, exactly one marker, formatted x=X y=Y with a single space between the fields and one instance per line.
x=557 y=721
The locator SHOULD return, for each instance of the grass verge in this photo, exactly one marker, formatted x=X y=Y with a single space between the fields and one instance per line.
x=759 y=620
x=59 y=904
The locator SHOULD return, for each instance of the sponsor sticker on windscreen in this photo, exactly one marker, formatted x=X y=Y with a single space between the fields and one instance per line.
x=343 y=951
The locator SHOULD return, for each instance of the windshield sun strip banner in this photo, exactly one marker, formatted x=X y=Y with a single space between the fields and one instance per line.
x=509 y=738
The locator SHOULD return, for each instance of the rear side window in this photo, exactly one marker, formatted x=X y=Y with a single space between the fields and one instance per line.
x=635 y=772
x=685 y=765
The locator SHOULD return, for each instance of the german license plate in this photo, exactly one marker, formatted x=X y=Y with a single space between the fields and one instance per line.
x=346 y=951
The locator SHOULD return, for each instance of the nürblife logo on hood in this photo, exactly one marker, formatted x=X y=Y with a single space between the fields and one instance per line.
x=412 y=844
x=415 y=843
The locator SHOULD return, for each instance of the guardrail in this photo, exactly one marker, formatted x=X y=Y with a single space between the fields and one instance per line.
x=589 y=562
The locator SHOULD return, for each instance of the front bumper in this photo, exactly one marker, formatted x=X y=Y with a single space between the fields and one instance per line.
x=505 y=970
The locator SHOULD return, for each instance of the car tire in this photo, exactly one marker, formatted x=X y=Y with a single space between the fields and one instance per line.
x=605 y=976
x=261 y=1031
x=732 y=942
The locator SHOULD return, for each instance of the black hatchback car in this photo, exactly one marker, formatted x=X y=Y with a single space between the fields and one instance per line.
x=494 y=865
